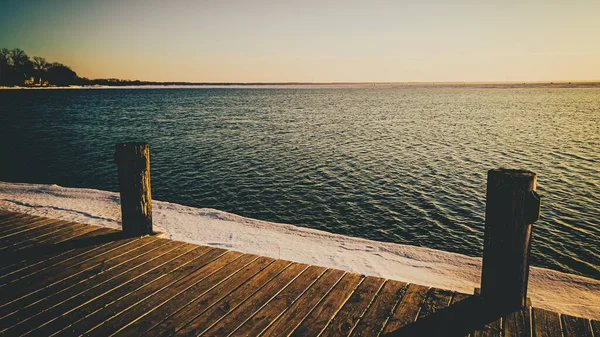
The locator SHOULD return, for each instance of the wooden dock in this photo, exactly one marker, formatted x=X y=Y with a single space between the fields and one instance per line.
x=60 y=278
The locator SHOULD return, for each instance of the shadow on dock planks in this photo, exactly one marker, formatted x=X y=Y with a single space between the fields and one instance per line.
x=61 y=278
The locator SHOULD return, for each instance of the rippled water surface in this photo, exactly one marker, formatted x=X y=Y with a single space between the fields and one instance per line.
x=406 y=165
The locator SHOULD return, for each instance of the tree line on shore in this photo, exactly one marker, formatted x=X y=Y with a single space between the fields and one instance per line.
x=18 y=69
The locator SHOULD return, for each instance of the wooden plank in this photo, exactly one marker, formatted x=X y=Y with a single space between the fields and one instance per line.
x=458 y=297
x=546 y=323
x=31 y=257
x=436 y=299
x=233 y=319
x=27 y=233
x=517 y=323
x=56 y=279
x=595 y=328
x=17 y=221
x=202 y=280
x=42 y=228
x=72 y=231
x=491 y=329
x=14 y=220
x=92 y=259
x=54 y=231
x=232 y=300
x=204 y=322
x=262 y=318
x=5 y=213
x=576 y=326
x=346 y=318
x=42 y=258
x=50 y=297
x=79 y=247
x=108 y=307
x=156 y=315
x=185 y=313
x=22 y=227
x=78 y=307
x=408 y=309
x=287 y=322
x=374 y=320
x=318 y=319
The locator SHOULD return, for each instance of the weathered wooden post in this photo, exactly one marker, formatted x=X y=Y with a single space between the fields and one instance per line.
x=133 y=162
x=512 y=206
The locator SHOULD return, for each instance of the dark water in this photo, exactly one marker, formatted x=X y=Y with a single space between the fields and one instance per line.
x=406 y=165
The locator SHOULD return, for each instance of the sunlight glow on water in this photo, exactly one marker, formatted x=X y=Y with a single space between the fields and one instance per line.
x=406 y=165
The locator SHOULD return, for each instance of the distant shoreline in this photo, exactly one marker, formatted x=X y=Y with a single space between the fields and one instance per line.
x=157 y=85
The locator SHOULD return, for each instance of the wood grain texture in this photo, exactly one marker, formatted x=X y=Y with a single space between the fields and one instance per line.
x=47 y=298
x=379 y=312
x=318 y=319
x=32 y=258
x=32 y=283
x=157 y=314
x=492 y=329
x=198 y=323
x=595 y=328
x=262 y=267
x=546 y=323
x=229 y=322
x=407 y=310
x=576 y=326
x=517 y=323
x=153 y=296
x=278 y=305
x=512 y=206
x=436 y=299
x=348 y=316
x=133 y=166
x=111 y=315
x=294 y=315
x=99 y=297
x=67 y=308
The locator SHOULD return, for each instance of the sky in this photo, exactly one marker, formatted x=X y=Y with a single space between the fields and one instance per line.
x=311 y=41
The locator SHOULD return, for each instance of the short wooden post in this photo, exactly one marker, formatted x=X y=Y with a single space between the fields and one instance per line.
x=512 y=206
x=133 y=162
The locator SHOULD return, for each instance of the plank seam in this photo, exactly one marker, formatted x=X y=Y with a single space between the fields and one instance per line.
x=184 y=290
x=351 y=332
x=86 y=290
x=159 y=290
x=98 y=274
x=45 y=259
x=342 y=305
x=250 y=295
x=383 y=326
x=56 y=262
x=20 y=224
x=247 y=298
x=121 y=245
x=283 y=311
x=112 y=289
x=319 y=302
x=39 y=225
x=45 y=238
x=225 y=295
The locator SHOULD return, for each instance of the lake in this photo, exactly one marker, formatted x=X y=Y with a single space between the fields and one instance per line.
x=404 y=164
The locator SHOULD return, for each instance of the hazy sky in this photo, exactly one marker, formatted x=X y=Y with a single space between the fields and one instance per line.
x=311 y=41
